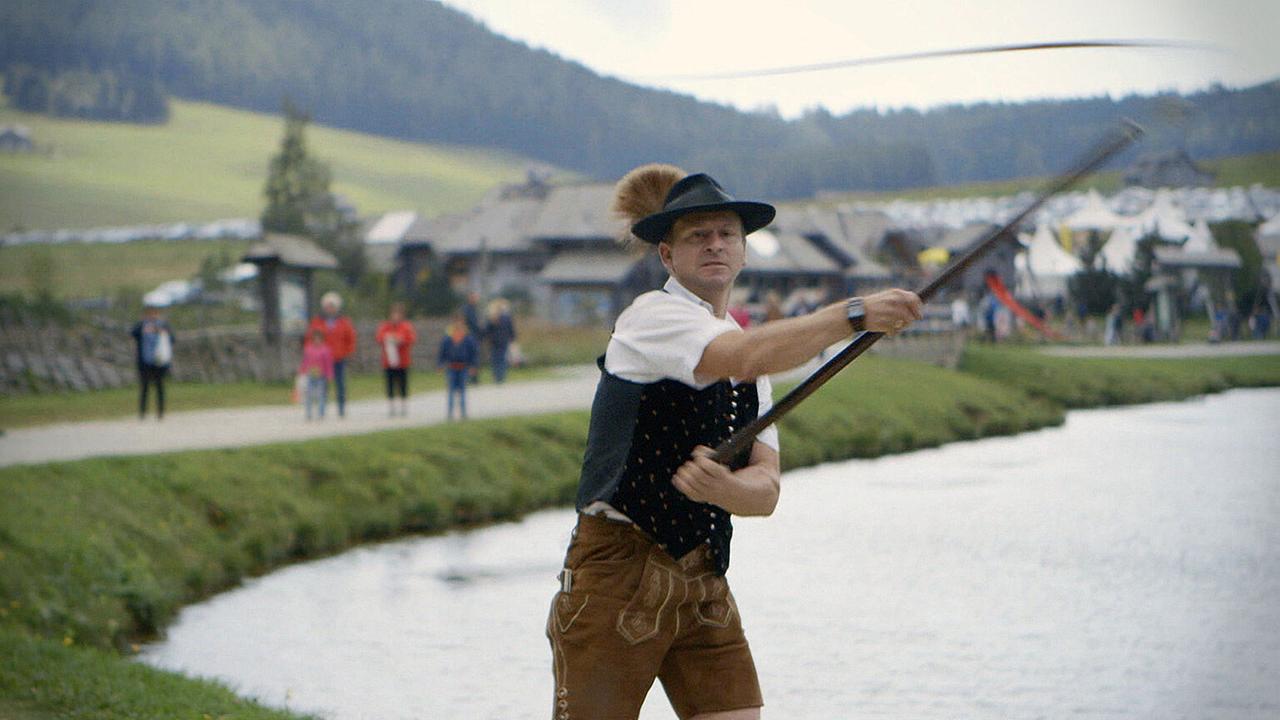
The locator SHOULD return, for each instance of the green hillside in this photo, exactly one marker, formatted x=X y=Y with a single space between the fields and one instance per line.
x=1240 y=170
x=209 y=162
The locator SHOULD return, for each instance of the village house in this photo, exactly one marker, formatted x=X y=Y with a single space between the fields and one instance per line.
x=16 y=138
x=559 y=249
x=1167 y=170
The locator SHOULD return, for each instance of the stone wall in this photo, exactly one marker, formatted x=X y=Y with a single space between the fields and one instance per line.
x=36 y=356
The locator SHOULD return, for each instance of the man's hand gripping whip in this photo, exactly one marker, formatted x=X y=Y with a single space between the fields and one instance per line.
x=1118 y=140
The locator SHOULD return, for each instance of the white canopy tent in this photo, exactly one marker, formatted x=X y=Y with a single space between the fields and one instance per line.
x=1163 y=217
x=1201 y=239
x=1094 y=215
x=1044 y=267
x=1120 y=249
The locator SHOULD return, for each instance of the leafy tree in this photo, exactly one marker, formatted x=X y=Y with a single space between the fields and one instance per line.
x=432 y=294
x=211 y=269
x=1097 y=288
x=1247 y=282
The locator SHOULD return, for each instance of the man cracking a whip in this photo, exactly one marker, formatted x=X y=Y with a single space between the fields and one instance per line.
x=643 y=593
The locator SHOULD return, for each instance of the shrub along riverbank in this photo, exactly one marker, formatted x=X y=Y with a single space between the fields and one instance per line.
x=101 y=553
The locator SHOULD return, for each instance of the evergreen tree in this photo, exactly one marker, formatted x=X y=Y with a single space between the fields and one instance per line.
x=297 y=187
x=299 y=201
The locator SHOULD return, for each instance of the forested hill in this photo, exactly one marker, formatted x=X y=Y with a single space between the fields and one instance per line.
x=417 y=70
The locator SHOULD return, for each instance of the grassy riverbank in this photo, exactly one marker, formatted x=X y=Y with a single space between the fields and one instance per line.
x=100 y=553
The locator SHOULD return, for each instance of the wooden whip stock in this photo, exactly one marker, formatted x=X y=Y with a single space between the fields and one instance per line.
x=1122 y=137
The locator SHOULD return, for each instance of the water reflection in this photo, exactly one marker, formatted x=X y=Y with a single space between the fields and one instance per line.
x=1125 y=565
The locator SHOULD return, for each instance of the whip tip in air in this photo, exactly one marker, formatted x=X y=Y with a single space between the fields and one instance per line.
x=1130 y=128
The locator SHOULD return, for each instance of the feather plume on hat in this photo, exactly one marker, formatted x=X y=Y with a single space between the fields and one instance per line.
x=643 y=191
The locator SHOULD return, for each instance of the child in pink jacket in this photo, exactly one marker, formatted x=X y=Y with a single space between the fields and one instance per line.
x=317 y=366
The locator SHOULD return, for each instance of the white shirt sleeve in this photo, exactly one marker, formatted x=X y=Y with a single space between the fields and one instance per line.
x=661 y=336
x=769 y=435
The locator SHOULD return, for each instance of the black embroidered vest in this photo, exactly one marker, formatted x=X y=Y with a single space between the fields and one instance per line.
x=639 y=436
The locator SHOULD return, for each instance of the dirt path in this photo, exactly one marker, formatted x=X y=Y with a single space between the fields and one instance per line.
x=238 y=427
x=573 y=388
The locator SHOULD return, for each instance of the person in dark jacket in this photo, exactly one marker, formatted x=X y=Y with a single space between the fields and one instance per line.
x=153 y=340
x=501 y=332
x=475 y=326
x=459 y=354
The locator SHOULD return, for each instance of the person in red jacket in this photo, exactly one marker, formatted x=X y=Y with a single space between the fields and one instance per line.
x=396 y=336
x=340 y=336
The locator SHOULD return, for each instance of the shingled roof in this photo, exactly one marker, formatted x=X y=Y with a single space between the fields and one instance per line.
x=771 y=252
x=291 y=250
x=589 y=267
x=497 y=226
x=578 y=213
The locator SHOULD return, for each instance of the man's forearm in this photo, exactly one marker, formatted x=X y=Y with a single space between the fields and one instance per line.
x=754 y=492
x=784 y=344
x=777 y=346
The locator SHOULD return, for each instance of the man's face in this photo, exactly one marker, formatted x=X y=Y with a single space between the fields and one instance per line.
x=705 y=251
x=330 y=308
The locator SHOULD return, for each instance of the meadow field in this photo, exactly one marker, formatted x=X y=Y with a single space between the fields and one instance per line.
x=209 y=162
x=1243 y=170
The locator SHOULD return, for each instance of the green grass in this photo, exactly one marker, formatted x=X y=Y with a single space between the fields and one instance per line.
x=78 y=269
x=46 y=408
x=1245 y=170
x=209 y=162
x=46 y=679
x=96 y=554
x=1095 y=382
x=1241 y=170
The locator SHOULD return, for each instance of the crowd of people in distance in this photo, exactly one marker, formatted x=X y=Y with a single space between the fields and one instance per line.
x=330 y=340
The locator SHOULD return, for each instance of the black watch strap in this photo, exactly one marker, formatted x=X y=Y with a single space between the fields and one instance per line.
x=857 y=314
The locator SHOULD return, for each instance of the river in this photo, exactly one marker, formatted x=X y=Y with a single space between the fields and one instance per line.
x=1124 y=565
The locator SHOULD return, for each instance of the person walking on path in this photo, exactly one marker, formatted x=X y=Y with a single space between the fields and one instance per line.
x=643 y=593
x=475 y=324
x=501 y=333
x=153 y=339
x=340 y=336
x=458 y=358
x=318 y=366
x=396 y=337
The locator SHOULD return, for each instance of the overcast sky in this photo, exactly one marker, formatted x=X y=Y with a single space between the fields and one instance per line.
x=649 y=41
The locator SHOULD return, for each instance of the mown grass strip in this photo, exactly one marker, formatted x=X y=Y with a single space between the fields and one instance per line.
x=1097 y=382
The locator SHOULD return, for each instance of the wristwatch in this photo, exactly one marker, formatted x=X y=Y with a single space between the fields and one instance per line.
x=857 y=314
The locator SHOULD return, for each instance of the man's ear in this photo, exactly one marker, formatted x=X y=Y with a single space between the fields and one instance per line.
x=664 y=255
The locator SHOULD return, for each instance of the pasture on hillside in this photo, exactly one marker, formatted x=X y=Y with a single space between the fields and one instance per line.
x=209 y=162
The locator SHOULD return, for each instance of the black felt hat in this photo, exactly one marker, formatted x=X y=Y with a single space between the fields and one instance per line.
x=700 y=193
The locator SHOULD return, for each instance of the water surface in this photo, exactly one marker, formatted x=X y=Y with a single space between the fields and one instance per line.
x=1125 y=565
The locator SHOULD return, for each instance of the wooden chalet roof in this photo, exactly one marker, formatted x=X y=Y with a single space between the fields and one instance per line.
x=290 y=250
x=1220 y=258
x=578 y=213
x=848 y=237
x=500 y=226
x=589 y=267
x=782 y=252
